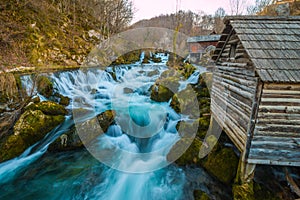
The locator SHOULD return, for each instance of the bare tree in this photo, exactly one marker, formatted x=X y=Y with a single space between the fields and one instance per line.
x=259 y=6
x=237 y=6
x=220 y=12
x=115 y=15
x=218 y=20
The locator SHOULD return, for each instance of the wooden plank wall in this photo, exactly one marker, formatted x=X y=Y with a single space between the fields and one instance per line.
x=233 y=92
x=276 y=138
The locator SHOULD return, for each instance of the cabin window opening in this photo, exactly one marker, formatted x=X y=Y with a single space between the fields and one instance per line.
x=232 y=51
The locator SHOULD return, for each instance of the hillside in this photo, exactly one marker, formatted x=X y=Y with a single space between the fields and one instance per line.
x=186 y=22
x=51 y=32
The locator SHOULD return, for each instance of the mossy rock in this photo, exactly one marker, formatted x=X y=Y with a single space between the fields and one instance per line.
x=106 y=118
x=199 y=195
x=89 y=130
x=170 y=73
x=185 y=102
x=187 y=129
x=155 y=59
x=44 y=86
x=161 y=93
x=164 y=89
x=11 y=147
x=153 y=73
x=36 y=99
x=203 y=125
x=146 y=61
x=61 y=99
x=31 y=127
x=187 y=70
x=48 y=108
x=185 y=156
x=198 y=127
x=127 y=90
x=222 y=164
x=128 y=58
x=65 y=101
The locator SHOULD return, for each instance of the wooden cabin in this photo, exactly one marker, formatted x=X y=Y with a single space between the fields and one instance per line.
x=256 y=88
x=198 y=44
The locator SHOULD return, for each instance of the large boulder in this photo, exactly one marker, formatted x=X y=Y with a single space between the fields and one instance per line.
x=185 y=102
x=164 y=88
x=194 y=100
x=222 y=163
x=31 y=127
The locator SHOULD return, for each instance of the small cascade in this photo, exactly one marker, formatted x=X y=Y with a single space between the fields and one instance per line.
x=142 y=56
x=193 y=79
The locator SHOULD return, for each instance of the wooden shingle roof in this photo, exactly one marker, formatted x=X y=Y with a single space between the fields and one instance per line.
x=272 y=43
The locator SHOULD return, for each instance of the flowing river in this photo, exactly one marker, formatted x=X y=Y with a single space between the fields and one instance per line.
x=39 y=174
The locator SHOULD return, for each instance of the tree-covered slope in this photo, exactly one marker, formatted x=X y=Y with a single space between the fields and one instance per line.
x=52 y=32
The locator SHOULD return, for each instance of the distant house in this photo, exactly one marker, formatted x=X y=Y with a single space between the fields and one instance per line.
x=197 y=45
x=256 y=89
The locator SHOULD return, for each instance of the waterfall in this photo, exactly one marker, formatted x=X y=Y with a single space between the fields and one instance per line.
x=135 y=166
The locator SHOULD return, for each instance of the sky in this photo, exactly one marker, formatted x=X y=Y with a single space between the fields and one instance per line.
x=146 y=9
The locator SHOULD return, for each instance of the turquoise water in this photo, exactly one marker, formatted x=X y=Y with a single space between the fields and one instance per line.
x=143 y=134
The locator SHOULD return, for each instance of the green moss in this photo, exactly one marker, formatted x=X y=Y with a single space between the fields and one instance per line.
x=222 y=164
x=203 y=125
x=243 y=192
x=12 y=147
x=48 y=108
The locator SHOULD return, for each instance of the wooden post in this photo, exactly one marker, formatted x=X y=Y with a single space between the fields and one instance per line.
x=246 y=170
